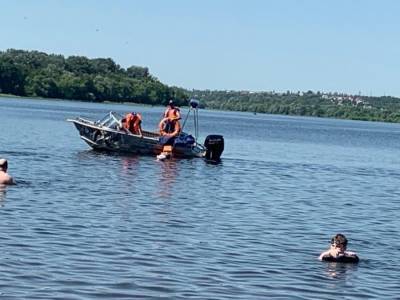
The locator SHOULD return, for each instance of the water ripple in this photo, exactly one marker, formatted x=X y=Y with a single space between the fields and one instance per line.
x=86 y=225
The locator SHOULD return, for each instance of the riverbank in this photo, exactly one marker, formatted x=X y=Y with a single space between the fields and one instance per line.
x=322 y=109
x=10 y=96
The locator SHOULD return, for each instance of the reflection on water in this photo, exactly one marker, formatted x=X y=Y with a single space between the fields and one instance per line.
x=87 y=224
x=167 y=178
x=337 y=270
x=130 y=163
x=130 y=166
x=2 y=194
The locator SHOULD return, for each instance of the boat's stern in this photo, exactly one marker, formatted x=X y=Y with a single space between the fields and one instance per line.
x=214 y=147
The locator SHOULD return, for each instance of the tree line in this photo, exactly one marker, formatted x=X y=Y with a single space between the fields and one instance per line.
x=317 y=104
x=37 y=74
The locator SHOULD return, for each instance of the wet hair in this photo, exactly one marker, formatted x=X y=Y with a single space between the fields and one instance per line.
x=3 y=164
x=171 y=102
x=339 y=239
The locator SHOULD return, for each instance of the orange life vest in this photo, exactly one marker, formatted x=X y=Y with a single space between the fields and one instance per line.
x=133 y=122
x=172 y=112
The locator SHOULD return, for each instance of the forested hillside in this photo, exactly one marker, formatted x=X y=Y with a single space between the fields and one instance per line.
x=310 y=103
x=37 y=74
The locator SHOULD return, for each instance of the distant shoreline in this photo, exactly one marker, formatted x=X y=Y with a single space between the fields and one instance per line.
x=74 y=100
x=209 y=104
x=10 y=96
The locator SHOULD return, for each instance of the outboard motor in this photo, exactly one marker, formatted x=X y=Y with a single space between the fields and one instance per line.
x=214 y=147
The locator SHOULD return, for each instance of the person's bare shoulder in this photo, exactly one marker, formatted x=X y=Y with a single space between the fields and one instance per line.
x=7 y=179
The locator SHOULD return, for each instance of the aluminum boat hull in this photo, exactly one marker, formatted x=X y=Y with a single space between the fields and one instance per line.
x=104 y=138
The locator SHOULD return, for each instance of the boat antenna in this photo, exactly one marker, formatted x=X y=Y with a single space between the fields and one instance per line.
x=193 y=105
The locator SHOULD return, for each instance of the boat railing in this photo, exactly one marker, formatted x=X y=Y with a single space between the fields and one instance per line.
x=111 y=120
x=117 y=118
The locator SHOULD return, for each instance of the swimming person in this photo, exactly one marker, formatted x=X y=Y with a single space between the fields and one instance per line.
x=338 y=252
x=4 y=177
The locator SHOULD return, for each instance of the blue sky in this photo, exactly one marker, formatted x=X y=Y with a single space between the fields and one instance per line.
x=344 y=45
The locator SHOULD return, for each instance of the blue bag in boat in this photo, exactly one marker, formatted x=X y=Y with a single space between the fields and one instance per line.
x=184 y=140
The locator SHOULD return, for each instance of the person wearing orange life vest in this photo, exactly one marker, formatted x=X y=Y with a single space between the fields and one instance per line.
x=170 y=127
x=172 y=111
x=132 y=122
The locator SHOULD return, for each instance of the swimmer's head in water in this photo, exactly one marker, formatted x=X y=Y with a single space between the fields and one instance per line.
x=3 y=164
x=339 y=240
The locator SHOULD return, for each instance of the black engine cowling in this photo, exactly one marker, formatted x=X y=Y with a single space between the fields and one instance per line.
x=214 y=147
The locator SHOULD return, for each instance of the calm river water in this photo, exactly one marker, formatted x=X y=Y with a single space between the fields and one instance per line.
x=87 y=225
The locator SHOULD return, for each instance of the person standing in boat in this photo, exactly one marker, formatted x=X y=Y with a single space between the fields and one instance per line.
x=170 y=127
x=132 y=122
x=4 y=177
x=172 y=111
x=338 y=251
